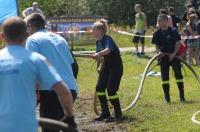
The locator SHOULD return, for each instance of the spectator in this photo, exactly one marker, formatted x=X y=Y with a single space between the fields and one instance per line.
x=191 y=30
x=163 y=11
x=175 y=20
x=140 y=26
x=56 y=50
x=31 y=10
x=194 y=4
x=185 y=15
x=20 y=69
x=189 y=9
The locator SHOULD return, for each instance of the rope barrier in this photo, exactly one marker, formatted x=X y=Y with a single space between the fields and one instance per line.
x=121 y=32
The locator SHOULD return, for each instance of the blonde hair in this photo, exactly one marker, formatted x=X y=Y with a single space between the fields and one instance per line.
x=192 y=17
x=102 y=24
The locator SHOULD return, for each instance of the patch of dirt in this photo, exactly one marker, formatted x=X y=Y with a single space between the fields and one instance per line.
x=84 y=117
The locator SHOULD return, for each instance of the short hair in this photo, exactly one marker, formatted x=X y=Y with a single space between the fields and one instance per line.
x=163 y=11
x=35 y=3
x=36 y=20
x=171 y=9
x=138 y=5
x=14 y=29
x=163 y=16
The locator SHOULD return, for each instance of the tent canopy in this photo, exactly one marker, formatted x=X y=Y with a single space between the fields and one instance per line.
x=8 y=8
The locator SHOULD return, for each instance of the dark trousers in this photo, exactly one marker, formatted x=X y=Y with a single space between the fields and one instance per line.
x=176 y=66
x=50 y=106
x=109 y=79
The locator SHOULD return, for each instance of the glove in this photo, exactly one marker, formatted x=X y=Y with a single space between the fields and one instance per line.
x=69 y=120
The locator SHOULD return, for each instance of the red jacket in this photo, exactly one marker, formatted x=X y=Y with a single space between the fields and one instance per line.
x=182 y=49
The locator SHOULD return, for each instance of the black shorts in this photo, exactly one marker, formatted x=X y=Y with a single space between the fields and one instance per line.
x=137 y=38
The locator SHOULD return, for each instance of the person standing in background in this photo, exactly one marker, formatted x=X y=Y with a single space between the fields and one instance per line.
x=140 y=27
x=175 y=20
x=169 y=22
x=193 y=49
x=32 y=10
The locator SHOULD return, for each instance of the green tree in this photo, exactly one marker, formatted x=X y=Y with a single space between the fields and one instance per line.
x=120 y=12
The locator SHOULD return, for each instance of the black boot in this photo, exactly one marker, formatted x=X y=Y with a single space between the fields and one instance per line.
x=181 y=91
x=104 y=107
x=117 y=110
x=166 y=93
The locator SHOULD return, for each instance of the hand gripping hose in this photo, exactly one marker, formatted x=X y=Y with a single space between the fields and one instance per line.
x=55 y=125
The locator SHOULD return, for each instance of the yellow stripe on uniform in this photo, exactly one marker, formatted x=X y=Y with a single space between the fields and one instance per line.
x=165 y=82
x=113 y=97
x=179 y=80
x=101 y=93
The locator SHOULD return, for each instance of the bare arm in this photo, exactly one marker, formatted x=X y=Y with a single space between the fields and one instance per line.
x=65 y=98
x=144 y=26
x=103 y=52
x=24 y=13
x=177 y=46
x=97 y=66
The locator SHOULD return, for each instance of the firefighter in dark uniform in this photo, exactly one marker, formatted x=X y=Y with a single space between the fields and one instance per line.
x=110 y=75
x=167 y=39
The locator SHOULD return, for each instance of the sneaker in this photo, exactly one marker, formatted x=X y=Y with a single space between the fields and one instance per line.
x=136 y=53
x=102 y=117
x=182 y=99
x=142 y=54
x=167 y=101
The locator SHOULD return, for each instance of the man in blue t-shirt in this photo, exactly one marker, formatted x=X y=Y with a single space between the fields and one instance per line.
x=167 y=39
x=20 y=70
x=55 y=49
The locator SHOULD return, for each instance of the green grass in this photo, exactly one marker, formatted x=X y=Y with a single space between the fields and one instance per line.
x=150 y=113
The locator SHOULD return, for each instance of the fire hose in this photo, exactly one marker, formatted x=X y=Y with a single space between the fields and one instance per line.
x=135 y=100
x=55 y=125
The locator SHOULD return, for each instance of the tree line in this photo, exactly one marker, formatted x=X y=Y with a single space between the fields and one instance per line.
x=120 y=12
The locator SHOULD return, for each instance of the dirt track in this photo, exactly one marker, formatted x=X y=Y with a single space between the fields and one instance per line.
x=85 y=117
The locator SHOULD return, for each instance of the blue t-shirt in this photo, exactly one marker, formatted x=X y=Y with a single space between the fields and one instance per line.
x=56 y=50
x=19 y=71
x=107 y=42
x=166 y=39
x=113 y=58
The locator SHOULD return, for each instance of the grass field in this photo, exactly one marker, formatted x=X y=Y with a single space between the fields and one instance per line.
x=150 y=113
